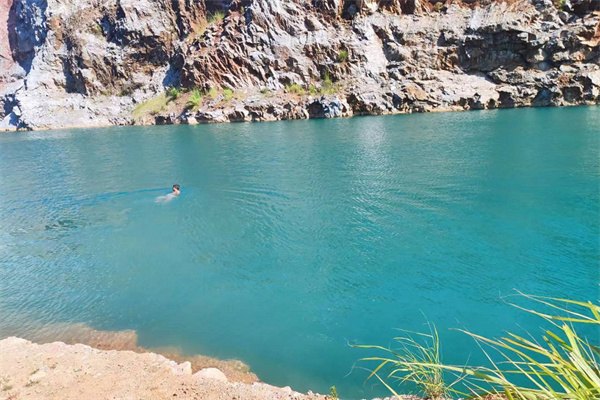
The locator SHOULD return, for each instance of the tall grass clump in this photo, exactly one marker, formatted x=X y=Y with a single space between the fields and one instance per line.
x=327 y=86
x=559 y=365
x=216 y=17
x=195 y=99
x=173 y=93
x=333 y=394
x=294 y=88
x=415 y=359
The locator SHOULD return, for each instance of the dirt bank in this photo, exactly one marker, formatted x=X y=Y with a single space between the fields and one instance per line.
x=61 y=371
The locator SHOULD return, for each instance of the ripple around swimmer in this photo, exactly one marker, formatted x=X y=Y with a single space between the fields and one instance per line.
x=291 y=240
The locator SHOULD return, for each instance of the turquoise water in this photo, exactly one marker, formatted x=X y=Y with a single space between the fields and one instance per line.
x=293 y=239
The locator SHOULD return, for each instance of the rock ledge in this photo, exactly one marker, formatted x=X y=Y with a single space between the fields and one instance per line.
x=57 y=370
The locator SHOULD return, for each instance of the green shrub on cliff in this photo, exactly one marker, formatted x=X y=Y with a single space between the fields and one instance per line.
x=227 y=94
x=96 y=29
x=212 y=93
x=173 y=93
x=561 y=365
x=216 y=17
x=195 y=99
x=342 y=56
x=294 y=88
x=328 y=87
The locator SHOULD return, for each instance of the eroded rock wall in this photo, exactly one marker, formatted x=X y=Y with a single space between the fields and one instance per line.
x=87 y=62
x=504 y=54
x=91 y=62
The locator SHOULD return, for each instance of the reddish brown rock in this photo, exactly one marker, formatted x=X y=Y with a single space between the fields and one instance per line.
x=6 y=61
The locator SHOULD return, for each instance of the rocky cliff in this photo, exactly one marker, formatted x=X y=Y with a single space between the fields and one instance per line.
x=103 y=62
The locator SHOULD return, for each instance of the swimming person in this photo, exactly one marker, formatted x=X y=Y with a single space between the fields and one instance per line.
x=176 y=191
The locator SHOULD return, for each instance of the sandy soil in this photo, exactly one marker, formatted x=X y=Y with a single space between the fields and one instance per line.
x=75 y=333
x=61 y=371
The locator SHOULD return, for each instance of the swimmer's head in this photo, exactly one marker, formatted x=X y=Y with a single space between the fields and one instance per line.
x=176 y=189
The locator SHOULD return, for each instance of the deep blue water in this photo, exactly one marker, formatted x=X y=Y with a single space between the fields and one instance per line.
x=293 y=239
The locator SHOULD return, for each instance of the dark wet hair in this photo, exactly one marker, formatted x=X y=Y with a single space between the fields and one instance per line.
x=176 y=186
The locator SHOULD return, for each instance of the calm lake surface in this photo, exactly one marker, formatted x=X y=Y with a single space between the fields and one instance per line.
x=292 y=240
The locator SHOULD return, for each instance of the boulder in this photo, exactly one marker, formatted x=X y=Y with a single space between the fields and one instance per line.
x=369 y=103
x=328 y=108
x=211 y=373
x=211 y=116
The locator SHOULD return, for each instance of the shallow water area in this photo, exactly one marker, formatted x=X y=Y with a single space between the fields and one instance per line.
x=292 y=240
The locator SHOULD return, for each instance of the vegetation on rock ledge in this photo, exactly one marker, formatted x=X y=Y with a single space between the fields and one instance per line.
x=195 y=99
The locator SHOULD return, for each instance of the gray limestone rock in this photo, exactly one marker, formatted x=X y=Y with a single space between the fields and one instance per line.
x=328 y=108
x=92 y=63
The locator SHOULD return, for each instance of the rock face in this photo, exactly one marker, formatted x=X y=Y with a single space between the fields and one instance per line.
x=93 y=63
x=5 y=51
x=85 y=62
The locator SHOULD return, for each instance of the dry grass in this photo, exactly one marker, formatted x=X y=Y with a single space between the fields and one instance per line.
x=151 y=107
x=295 y=88
x=5 y=385
x=227 y=94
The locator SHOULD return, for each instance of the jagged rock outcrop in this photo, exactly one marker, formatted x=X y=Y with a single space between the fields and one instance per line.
x=82 y=63
x=98 y=62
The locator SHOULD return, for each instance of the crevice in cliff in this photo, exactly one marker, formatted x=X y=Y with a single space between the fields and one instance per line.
x=72 y=67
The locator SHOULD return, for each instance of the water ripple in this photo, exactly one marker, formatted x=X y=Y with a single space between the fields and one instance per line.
x=291 y=239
